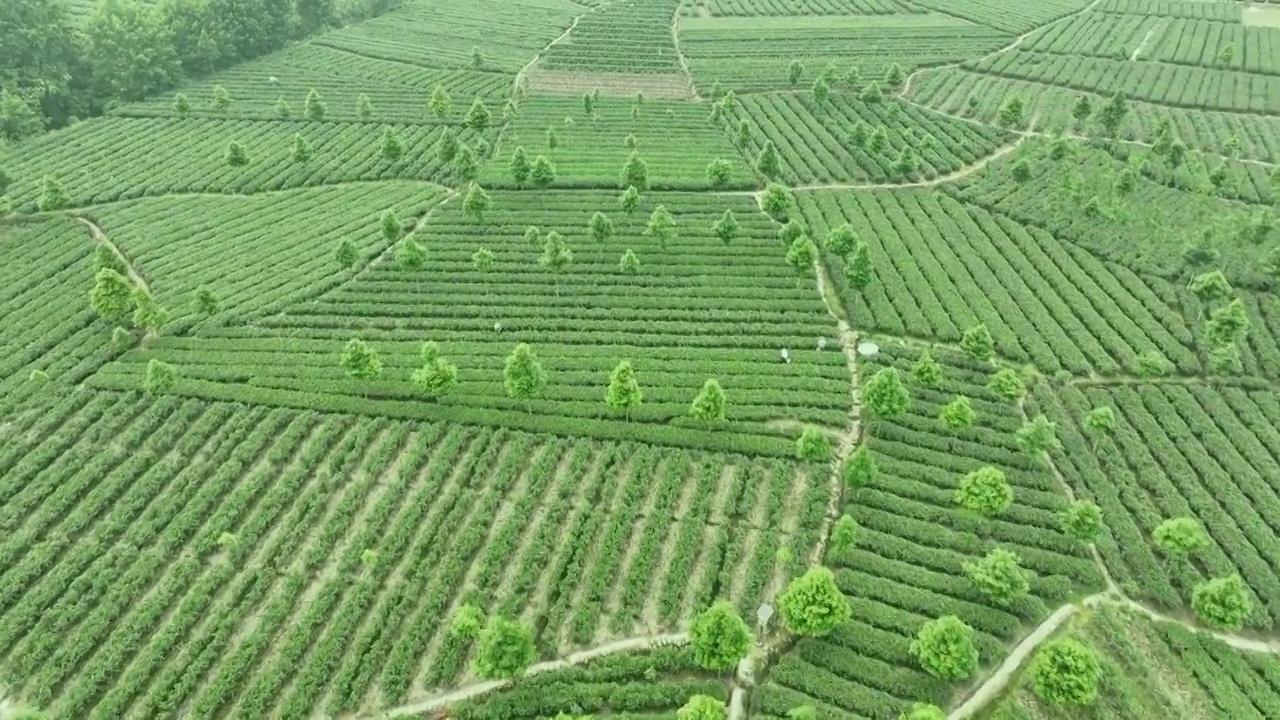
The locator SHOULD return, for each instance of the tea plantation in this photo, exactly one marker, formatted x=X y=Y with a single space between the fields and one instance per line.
x=640 y=359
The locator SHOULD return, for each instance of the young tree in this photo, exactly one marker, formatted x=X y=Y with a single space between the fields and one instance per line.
x=588 y=104
x=181 y=105
x=726 y=228
x=447 y=146
x=1228 y=324
x=767 y=162
x=543 y=173
x=859 y=270
x=1222 y=603
x=945 y=648
x=1082 y=520
x=709 y=405
x=601 y=229
x=284 y=110
x=1066 y=672
x=1152 y=364
x=926 y=370
x=160 y=379
x=629 y=264
x=743 y=137
x=1082 y=110
x=884 y=395
x=345 y=253
x=361 y=361
x=476 y=203
x=630 y=142
x=844 y=535
x=478 y=117
x=1021 y=171
x=465 y=163
x=1011 y=112
x=411 y=255
x=53 y=196
x=872 y=94
x=624 y=391
x=1227 y=54
x=1099 y=421
x=977 y=343
x=477 y=58
x=719 y=173
x=111 y=295
x=635 y=174
x=206 y=302
x=984 y=491
x=392 y=145
x=1038 y=436
x=467 y=623
x=813 y=445
x=702 y=707
x=812 y=605
x=553 y=140
x=802 y=712
x=1179 y=537
x=999 y=576
x=923 y=711
x=893 y=76
x=524 y=377
x=776 y=202
x=1007 y=384
x=879 y=139
x=482 y=259
x=630 y=200
x=859 y=469
x=794 y=72
x=1210 y=287
x=821 y=90
x=315 y=108
x=556 y=255
x=364 y=108
x=790 y=232
x=1113 y=113
x=390 y=225
x=436 y=377
x=505 y=650
x=719 y=637
x=221 y=100
x=958 y=414
x=801 y=254
x=661 y=226
x=841 y=240
x=236 y=155
x=858 y=135
x=520 y=167
x=148 y=315
x=302 y=151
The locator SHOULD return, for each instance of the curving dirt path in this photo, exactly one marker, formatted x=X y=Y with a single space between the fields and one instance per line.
x=100 y=238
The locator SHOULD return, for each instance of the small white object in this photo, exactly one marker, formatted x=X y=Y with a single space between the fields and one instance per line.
x=786 y=356
x=273 y=79
x=867 y=349
x=497 y=327
x=822 y=343
x=764 y=613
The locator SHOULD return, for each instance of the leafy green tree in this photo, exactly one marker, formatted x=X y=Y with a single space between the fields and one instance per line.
x=1007 y=384
x=390 y=225
x=802 y=712
x=439 y=102
x=858 y=270
x=181 y=105
x=794 y=72
x=726 y=228
x=630 y=142
x=53 y=196
x=411 y=255
x=844 y=535
x=719 y=173
x=148 y=315
x=1113 y=113
x=709 y=406
x=556 y=255
x=879 y=139
x=776 y=202
x=476 y=203
x=436 y=377
x=767 y=162
x=984 y=491
x=314 y=108
x=893 y=77
x=1222 y=603
x=630 y=200
x=958 y=414
x=852 y=78
x=1227 y=54
x=221 y=99
x=1082 y=110
x=601 y=229
x=520 y=167
x=206 y=302
x=467 y=623
x=859 y=469
x=477 y=58
x=790 y=232
x=841 y=240
x=629 y=264
x=505 y=649
x=364 y=107
x=977 y=343
x=945 y=648
x=858 y=135
x=447 y=146
x=588 y=104
x=813 y=445
x=999 y=576
x=821 y=90
x=801 y=255
x=1011 y=112
x=392 y=145
x=315 y=15
x=624 y=391
x=466 y=165
x=884 y=395
x=524 y=377
x=553 y=140
x=543 y=173
x=812 y=605
x=1099 y=421
x=161 y=377
x=1210 y=287
x=1082 y=520
x=1038 y=436
x=635 y=173
x=345 y=253
x=1066 y=672
x=922 y=711
x=482 y=260
x=236 y=155
x=719 y=637
x=926 y=370
x=361 y=361
x=702 y=707
x=1021 y=171
x=284 y=110
x=302 y=151
x=1228 y=324
x=111 y=295
x=743 y=137
x=17 y=118
x=1180 y=537
x=1152 y=364
x=478 y=117
x=872 y=94
x=661 y=226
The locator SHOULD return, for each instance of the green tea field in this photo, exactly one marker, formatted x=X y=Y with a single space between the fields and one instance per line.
x=640 y=359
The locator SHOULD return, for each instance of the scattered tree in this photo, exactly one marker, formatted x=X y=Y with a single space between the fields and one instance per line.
x=859 y=469
x=794 y=72
x=160 y=379
x=221 y=99
x=206 y=302
x=821 y=90
x=436 y=377
x=945 y=648
x=148 y=315
x=1152 y=364
x=893 y=76
x=841 y=240
x=440 y=102
x=790 y=232
x=392 y=145
x=477 y=58
x=476 y=203
x=661 y=226
x=630 y=200
x=467 y=622
x=635 y=173
x=719 y=637
x=984 y=491
x=1180 y=537
x=926 y=370
x=181 y=105
x=505 y=650
x=872 y=94
x=1099 y=421
x=977 y=343
x=802 y=712
x=958 y=414
x=465 y=163
x=315 y=107
x=601 y=229
x=1222 y=603
x=447 y=146
x=1210 y=287
x=743 y=138
x=801 y=255
x=1113 y=113
x=1011 y=112
x=767 y=162
x=553 y=140
x=812 y=605
x=543 y=173
x=520 y=167
x=884 y=395
x=813 y=445
x=345 y=253
x=236 y=155
x=629 y=264
x=1228 y=324
x=726 y=228
x=53 y=196
x=1082 y=520
x=922 y=711
x=1038 y=436
x=1007 y=383
x=284 y=110
x=624 y=391
x=111 y=295
x=702 y=707
x=1082 y=110
x=482 y=259
x=556 y=255
x=844 y=535
x=719 y=173
x=524 y=377
x=859 y=270
x=1066 y=672
x=776 y=202
x=361 y=361
x=1021 y=171
x=478 y=117
x=411 y=255
x=999 y=576
x=364 y=108
x=709 y=405
x=302 y=151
